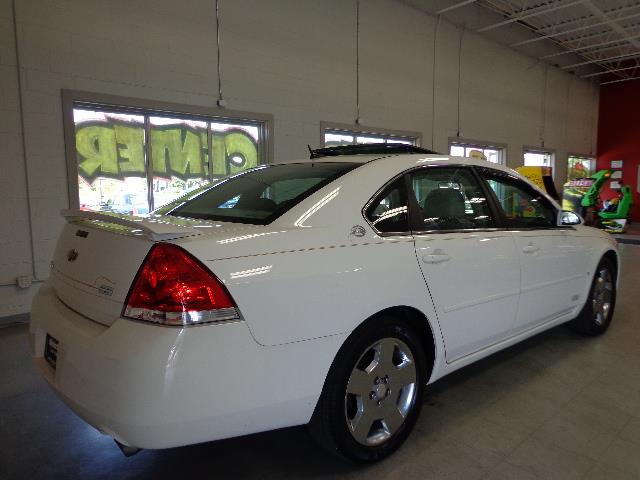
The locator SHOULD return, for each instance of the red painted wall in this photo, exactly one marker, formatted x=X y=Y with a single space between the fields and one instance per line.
x=619 y=135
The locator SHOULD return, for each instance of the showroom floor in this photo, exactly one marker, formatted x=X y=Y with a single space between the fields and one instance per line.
x=558 y=406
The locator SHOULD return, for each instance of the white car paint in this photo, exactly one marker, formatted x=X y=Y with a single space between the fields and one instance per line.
x=302 y=284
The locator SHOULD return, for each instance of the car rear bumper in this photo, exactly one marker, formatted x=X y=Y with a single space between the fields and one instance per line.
x=157 y=387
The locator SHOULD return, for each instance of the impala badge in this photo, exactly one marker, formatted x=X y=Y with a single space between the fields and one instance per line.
x=72 y=255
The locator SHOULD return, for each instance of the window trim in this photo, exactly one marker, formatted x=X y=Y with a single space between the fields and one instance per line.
x=139 y=106
x=356 y=129
x=543 y=150
x=481 y=144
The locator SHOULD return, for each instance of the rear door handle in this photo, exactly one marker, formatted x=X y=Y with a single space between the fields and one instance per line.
x=530 y=249
x=436 y=258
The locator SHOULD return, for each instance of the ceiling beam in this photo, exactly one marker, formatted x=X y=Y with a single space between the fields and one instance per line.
x=612 y=24
x=577 y=29
x=604 y=72
x=611 y=44
x=538 y=12
x=611 y=11
x=602 y=60
x=621 y=80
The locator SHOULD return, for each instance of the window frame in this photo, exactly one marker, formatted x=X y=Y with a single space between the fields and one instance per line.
x=479 y=144
x=360 y=130
x=81 y=99
x=540 y=150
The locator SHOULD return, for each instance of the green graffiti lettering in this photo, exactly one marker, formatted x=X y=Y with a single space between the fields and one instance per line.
x=96 y=146
x=239 y=146
x=184 y=158
x=130 y=142
x=219 y=154
x=117 y=150
x=191 y=155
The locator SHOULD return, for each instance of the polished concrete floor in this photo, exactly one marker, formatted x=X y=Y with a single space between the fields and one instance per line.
x=557 y=406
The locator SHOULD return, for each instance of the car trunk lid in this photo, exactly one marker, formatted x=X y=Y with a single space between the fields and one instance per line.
x=98 y=255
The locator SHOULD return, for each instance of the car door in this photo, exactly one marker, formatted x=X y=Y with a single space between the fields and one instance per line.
x=472 y=268
x=551 y=259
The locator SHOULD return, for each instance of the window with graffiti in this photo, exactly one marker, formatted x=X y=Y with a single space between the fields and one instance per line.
x=135 y=162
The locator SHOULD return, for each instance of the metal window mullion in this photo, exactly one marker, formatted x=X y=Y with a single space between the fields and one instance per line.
x=210 y=149
x=148 y=164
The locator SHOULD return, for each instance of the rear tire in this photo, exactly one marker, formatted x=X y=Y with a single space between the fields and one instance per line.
x=373 y=393
x=595 y=317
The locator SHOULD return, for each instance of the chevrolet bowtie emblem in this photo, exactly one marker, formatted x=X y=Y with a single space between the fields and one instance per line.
x=72 y=255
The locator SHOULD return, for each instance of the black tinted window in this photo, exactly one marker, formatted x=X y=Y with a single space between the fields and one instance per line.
x=450 y=199
x=261 y=195
x=388 y=212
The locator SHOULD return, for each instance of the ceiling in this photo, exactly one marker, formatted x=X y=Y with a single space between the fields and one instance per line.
x=597 y=39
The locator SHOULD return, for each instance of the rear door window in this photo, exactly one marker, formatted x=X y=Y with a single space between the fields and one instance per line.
x=450 y=198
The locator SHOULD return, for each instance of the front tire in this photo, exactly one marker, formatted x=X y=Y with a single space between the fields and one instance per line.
x=373 y=393
x=595 y=317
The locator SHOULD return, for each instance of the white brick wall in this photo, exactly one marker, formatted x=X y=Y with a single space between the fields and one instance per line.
x=294 y=59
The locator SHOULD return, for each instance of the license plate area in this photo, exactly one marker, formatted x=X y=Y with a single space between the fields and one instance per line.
x=51 y=351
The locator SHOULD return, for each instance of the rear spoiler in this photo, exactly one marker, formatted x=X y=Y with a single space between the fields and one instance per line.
x=153 y=227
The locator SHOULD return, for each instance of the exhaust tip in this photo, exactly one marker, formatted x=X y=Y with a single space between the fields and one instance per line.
x=127 y=450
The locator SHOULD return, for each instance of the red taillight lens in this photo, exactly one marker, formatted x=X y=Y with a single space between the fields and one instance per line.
x=173 y=288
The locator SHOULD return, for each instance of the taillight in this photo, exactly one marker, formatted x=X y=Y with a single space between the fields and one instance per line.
x=174 y=288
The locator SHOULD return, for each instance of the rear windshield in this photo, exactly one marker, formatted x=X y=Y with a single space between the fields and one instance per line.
x=261 y=195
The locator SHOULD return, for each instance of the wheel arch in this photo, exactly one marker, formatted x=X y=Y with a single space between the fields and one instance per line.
x=417 y=320
x=608 y=253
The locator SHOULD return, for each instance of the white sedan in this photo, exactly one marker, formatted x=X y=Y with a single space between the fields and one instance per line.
x=327 y=292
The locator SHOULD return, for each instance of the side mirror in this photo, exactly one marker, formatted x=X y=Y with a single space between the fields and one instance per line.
x=567 y=217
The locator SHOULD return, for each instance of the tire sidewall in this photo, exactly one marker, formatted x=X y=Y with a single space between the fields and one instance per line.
x=588 y=315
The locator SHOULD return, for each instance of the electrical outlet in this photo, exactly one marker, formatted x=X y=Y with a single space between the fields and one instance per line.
x=24 y=281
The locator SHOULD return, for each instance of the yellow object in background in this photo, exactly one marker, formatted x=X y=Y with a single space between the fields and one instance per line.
x=535 y=174
x=477 y=154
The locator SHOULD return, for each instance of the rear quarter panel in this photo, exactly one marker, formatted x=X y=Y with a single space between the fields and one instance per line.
x=323 y=289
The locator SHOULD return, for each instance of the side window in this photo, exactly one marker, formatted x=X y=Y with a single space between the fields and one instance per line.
x=388 y=212
x=450 y=199
x=523 y=207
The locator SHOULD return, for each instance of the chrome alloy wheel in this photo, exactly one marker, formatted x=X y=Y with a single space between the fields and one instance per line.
x=381 y=391
x=601 y=296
